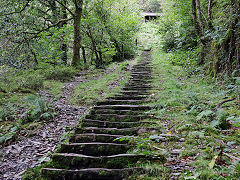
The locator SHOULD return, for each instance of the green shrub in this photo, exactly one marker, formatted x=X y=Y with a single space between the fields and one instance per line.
x=30 y=81
x=37 y=109
x=62 y=73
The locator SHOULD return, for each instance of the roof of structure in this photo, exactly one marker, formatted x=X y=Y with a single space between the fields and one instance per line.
x=150 y=14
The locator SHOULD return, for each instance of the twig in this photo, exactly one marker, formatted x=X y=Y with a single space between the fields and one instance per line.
x=16 y=12
x=232 y=157
x=49 y=27
x=158 y=148
x=223 y=102
x=69 y=10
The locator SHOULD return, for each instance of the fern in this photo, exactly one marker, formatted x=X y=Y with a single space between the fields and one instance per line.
x=37 y=109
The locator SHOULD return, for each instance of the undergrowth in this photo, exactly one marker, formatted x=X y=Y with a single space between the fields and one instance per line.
x=203 y=115
x=99 y=88
x=20 y=107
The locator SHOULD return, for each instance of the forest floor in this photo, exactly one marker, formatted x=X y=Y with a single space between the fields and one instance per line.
x=35 y=142
x=201 y=117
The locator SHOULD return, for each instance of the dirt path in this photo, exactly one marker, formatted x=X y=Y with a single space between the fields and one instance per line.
x=29 y=152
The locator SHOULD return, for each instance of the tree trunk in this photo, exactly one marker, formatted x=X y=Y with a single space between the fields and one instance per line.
x=84 y=55
x=77 y=35
x=198 y=7
x=98 y=61
x=64 y=47
x=210 y=4
x=194 y=18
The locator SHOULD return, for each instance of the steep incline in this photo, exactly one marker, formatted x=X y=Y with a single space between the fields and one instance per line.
x=93 y=152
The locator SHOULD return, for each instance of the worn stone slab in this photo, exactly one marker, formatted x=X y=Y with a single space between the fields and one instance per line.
x=90 y=173
x=95 y=148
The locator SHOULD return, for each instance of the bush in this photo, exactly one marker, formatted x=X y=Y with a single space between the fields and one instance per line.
x=62 y=73
x=27 y=80
x=30 y=81
x=37 y=109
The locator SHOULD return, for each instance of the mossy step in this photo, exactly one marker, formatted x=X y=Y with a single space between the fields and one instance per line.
x=109 y=124
x=95 y=137
x=140 y=72
x=134 y=88
x=124 y=107
x=95 y=148
x=117 y=117
x=73 y=160
x=141 y=76
x=142 y=68
x=114 y=101
x=132 y=79
x=144 y=65
x=109 y=134
x=135 y=81
x=130 y=97
x=119 y=112
x=134 y=92
x=90 y=173
x=138 y=86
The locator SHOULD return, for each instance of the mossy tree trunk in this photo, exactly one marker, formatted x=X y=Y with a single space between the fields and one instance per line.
x=77 y=35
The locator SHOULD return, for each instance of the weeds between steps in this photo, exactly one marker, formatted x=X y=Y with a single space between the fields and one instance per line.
x=186 y=107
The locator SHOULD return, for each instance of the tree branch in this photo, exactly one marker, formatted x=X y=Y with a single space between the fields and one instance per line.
x=49 y=27
x=223 y=102
x=16 y=12
x=69 y=10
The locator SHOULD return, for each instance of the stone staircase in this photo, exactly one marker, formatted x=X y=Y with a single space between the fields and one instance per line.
x=93 y=152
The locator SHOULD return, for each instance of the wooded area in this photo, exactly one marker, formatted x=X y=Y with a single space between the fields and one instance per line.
x=67 y=32
x=109 y=89
x=209 y=27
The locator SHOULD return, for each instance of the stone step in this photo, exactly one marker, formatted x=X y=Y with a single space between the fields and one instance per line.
x=79 y=161
x=113 y=102
x=95 y=148
x=109 y=134
x=141 y=76
x=119 y=112
x=94 y=137
x=144 y=79
x=136 y=88
x=90 y=173
x=124 y=107
x=117 y=117
x=140 y=72
x=130 y=97
x=109 y=124
x=141 y=68
x=136 y=92
x=137 y=85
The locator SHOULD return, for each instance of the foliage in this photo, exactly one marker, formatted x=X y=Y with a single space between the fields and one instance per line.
x=187 y=107
x=61 y=73
x=107 y=32
x=19 y=112
x=37 y=109
x=212 y=26
x=151 y=6
x=175 y=25
x=33 y=79
x=101 y=86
